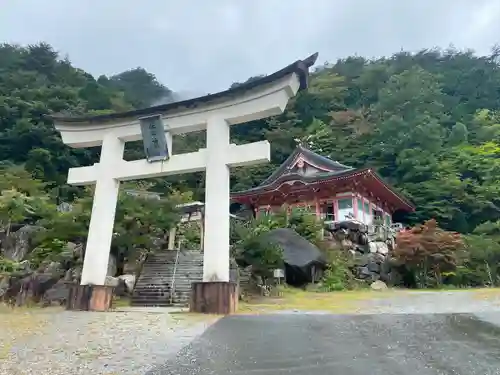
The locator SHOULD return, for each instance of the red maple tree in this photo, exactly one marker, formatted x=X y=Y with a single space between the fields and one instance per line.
x=428 y=251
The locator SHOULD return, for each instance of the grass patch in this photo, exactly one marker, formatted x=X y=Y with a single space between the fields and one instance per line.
x=121 y=302
x=344 y=302
x=297 y=299
x=487 y=294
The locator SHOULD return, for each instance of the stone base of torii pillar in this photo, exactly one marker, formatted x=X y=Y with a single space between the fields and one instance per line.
x=214 y=297
x=215 y=113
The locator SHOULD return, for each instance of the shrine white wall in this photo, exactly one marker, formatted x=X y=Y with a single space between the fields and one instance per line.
x=346 y=204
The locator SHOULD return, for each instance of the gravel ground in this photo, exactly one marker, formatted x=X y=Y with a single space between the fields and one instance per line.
x=135 y=341
x=74 y=343
x=380 y=344
x=442 y=302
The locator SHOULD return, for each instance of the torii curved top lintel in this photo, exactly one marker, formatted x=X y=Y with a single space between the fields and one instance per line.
x=300 y=67
x=256 y=99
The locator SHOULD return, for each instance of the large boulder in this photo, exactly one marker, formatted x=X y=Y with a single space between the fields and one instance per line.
x=129 y=281
x=120 y=288
x=33 y=287
x=297 y=251
x=379 y=247
x=378 y=285
x=57 y=295
x=350 y=225
x=76 y=250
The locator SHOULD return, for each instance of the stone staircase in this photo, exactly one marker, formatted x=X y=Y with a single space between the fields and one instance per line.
x=153 y=287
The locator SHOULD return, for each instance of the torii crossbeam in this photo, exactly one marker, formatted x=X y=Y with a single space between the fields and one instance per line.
x=214 y=113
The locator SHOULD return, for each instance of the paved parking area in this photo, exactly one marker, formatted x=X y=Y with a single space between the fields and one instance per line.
x=319 y=344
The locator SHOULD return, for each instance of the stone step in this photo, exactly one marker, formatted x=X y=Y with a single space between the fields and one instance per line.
x=172 y=260
x=193 y=262
x=147 y=299
x=147 y=284
x=167 y=278
x=152 y=304
x=177 y=287
x=181 y=260
x=158 y=280
x=170 y=270
x=151 y=298
x=148 y=292
x=153 y=287
x=164 y=301
x=171 y=267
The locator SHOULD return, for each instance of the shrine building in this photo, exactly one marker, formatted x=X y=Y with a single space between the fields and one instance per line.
x=330 y=190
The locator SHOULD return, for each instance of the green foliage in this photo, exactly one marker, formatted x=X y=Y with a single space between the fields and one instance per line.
x=139 y=220
x=305 y=224
x=338 y=276
x=190 y=235
x=429 y=122
x=422 y=120
x=34 y=83
x=49 y=251
x=8 y=266
x=250 y=247
x=480 y=264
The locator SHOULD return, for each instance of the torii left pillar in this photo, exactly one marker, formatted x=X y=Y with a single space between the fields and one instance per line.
x=102 y=220
x=215 y=113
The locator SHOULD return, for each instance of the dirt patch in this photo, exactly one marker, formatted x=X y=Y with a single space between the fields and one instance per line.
x=20 y=324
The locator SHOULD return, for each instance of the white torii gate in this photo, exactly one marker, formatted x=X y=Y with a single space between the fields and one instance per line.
x=216 y=113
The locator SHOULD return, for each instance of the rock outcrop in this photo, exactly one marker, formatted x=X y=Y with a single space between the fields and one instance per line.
x=47 y=284
x=17 y=244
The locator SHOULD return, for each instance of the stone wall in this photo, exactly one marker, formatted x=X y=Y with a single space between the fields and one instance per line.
x=370 y=247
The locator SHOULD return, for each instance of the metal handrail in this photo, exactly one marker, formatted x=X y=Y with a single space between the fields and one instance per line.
x=172 y=283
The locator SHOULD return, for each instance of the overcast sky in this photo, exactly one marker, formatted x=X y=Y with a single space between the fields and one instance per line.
x=205 y=45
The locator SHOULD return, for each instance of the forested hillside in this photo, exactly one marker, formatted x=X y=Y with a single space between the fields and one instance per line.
x=428 y=122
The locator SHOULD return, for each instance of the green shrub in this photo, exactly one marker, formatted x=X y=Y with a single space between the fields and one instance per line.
x=8 y=266
x=338 y=276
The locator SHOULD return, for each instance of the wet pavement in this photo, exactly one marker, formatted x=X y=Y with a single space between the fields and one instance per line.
x=324 y=344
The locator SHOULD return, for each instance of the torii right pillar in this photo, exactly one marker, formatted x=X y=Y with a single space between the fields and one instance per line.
x=217 y=294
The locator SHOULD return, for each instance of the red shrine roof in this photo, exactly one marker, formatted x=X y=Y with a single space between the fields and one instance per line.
x=305 y=174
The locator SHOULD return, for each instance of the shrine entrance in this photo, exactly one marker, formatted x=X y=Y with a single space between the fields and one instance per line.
x=214 y=113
